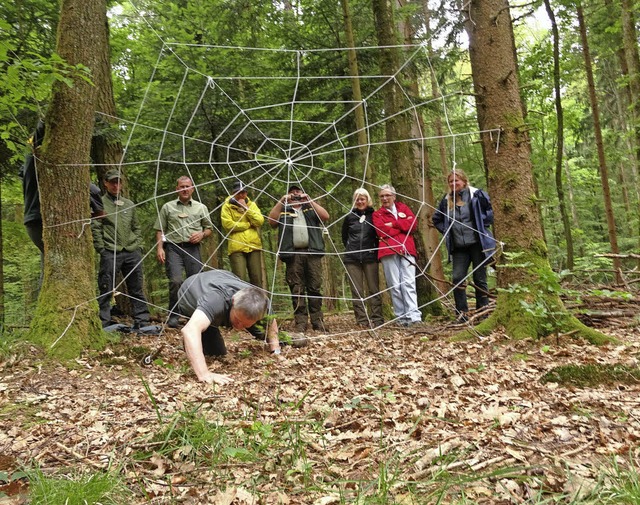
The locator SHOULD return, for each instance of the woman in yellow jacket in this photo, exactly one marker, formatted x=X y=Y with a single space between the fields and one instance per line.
x=241 y=220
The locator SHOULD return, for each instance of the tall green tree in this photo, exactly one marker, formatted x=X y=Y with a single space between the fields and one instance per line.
x=528 y=303
x=66 y=320
x=566 y=225
x=602 y=160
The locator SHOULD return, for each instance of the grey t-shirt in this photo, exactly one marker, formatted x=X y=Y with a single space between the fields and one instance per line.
x=211 y=292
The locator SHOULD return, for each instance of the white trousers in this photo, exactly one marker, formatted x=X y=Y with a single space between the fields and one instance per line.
x=401 y=281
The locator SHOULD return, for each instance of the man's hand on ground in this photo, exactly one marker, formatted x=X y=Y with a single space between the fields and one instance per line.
x=216 y=378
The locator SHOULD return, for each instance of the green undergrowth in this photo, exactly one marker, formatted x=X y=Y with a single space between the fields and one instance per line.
x=77 y=488
x=593 y=375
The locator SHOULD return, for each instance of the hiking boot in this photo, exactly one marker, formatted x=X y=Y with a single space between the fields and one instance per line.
x=319 y=326
x=173 y=322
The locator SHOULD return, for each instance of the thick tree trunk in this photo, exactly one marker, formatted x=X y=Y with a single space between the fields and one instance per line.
x=602 y=162
x=106 y=149
x=528 y=304
x=566 y=225
x=404 y=173
x=66 y=319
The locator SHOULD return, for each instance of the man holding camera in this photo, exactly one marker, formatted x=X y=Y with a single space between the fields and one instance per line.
x=241 y=220
x=301 y=247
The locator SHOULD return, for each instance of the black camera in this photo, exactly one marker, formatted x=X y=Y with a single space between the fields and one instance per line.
x=233 y=201
x=295 y=198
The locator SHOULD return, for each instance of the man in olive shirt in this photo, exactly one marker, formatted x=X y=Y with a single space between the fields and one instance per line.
x=180 y=227
x=116 y=237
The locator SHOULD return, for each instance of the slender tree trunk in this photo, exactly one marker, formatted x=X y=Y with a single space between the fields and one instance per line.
x=435 y=93
x=632 y=58
x=66 y=319
x=429 y=234
x=602 y=162
x=362 y=153
x=529 y=305
x=404 y=175
x=1 y=265
x=566 y=225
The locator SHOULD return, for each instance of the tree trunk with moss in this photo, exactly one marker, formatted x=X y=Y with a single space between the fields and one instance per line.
x=66 y=319
x=528 y=303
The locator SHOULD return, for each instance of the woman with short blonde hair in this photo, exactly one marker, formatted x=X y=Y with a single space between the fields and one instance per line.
x=361 y=245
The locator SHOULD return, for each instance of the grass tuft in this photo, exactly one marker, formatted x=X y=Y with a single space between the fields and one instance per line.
x=105 y=488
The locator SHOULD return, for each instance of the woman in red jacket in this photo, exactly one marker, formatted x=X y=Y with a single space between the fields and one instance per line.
x=395 y=224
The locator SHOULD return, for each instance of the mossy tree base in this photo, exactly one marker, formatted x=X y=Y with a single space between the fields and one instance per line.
x=65 y=334
x=520 y=323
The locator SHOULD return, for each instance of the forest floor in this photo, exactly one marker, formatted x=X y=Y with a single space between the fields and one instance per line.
x=392 y=416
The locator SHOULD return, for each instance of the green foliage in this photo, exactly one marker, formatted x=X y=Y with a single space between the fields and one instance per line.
x=21 y=274
x=27 y=80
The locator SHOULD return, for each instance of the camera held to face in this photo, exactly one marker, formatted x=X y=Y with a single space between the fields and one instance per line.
x=295 y=198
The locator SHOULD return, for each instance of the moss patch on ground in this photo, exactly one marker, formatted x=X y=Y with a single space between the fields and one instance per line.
x=592 y=375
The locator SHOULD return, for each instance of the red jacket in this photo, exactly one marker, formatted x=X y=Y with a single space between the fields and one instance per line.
x=398 y=237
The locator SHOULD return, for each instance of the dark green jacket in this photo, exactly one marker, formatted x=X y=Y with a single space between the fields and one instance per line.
x=119 y=228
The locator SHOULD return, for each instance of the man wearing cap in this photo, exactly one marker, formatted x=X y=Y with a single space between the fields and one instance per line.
x=241 y=220
x=180 y=227
x=301 y=247
x=117 y=238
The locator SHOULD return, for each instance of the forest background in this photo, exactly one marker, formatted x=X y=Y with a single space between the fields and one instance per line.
x=136 y=39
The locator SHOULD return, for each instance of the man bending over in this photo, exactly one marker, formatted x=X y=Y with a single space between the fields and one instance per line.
x=219 y=298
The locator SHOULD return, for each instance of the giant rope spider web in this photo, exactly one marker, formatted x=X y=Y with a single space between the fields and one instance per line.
x=308 y=139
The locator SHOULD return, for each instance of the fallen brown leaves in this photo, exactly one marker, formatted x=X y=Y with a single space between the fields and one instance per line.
x=352 y=403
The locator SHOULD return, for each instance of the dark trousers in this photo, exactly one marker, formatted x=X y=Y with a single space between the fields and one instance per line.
x=34 y=230
x=304 y=277
x=178 y=258
x=462 y=258
x=251 y=263
x=365 y=283
x=130 y=264
x=212 y=342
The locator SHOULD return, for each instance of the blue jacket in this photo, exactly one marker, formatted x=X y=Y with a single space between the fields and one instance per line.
x=482 y=215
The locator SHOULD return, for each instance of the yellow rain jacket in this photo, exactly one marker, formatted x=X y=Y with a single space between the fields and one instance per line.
x=242 y=226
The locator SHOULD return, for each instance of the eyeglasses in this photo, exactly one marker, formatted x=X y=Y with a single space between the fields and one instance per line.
x=386 y=196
